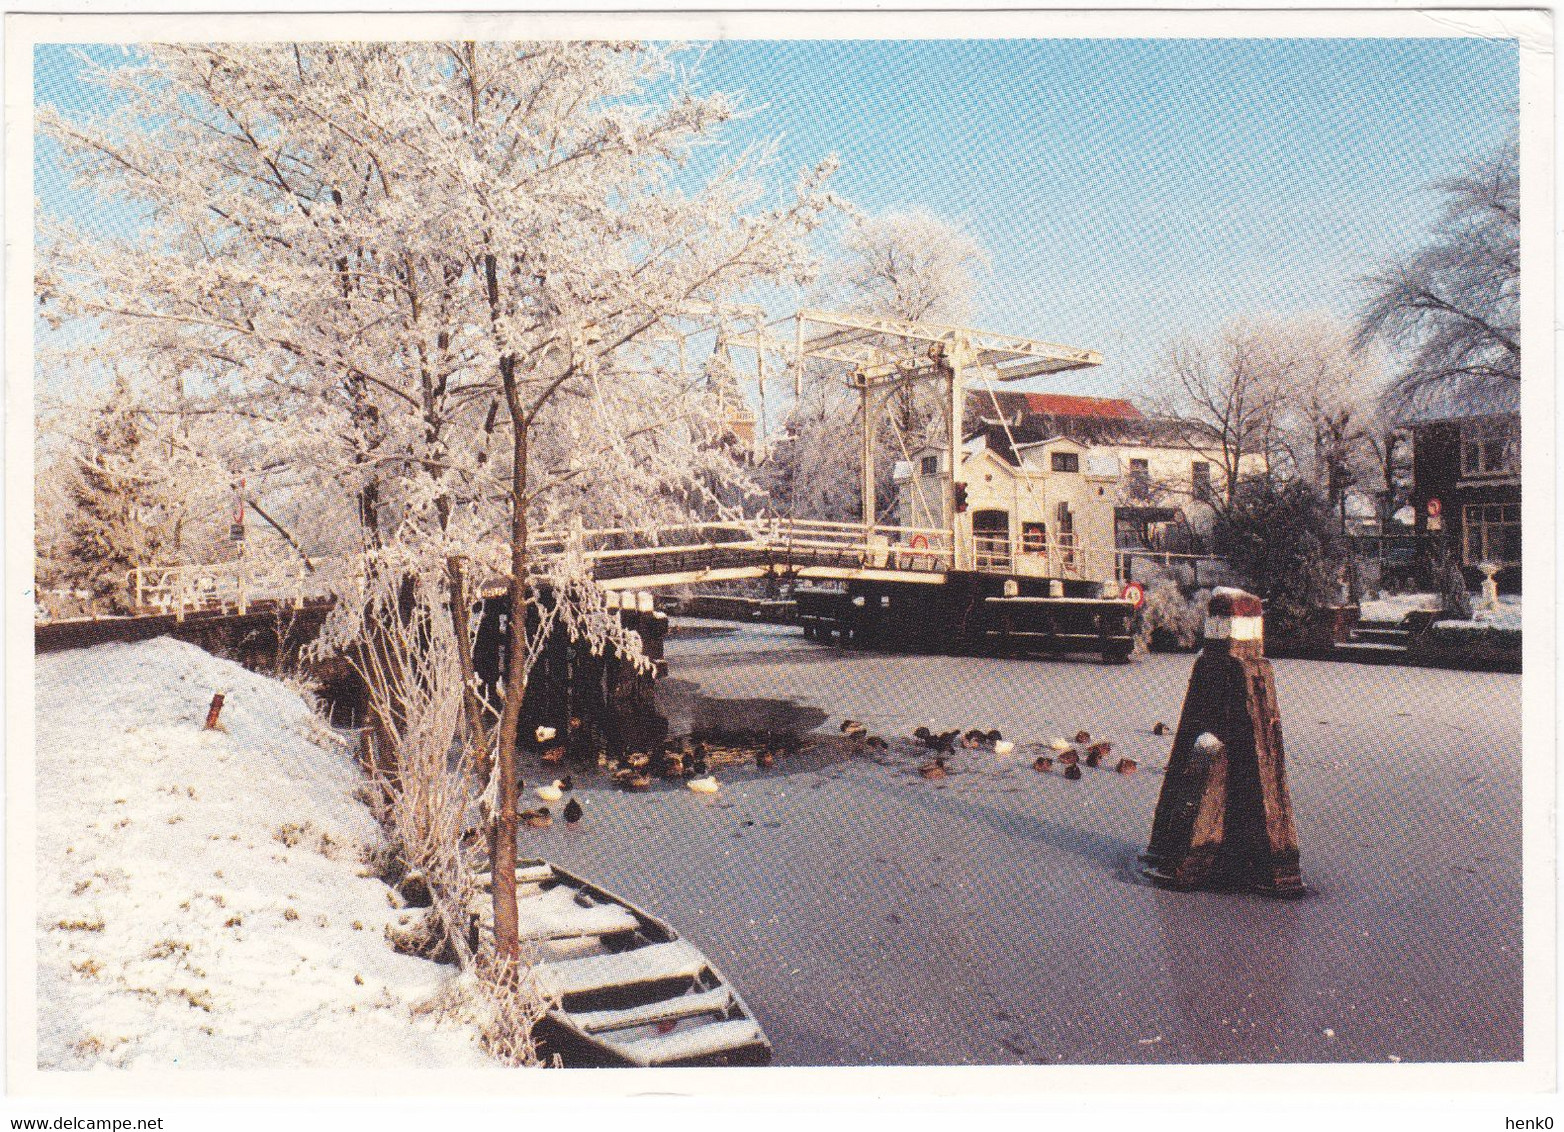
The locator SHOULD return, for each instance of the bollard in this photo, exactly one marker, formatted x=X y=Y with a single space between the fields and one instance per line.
x=1224 y=817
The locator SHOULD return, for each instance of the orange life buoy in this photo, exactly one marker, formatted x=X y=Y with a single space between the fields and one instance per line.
x=919 y=543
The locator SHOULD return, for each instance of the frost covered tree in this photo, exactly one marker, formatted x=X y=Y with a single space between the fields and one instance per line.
x=1297 y=392
x=114 y=514
x=911 y=264
x=1329 y=404
x=432 y=278
x=1452 y=308
x=1230 y=391
x=907 y=264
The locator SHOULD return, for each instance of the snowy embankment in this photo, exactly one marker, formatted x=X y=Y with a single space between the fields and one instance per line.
x=202 y=898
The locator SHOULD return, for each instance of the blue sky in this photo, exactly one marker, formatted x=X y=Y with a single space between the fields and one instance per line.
x=1129 y=191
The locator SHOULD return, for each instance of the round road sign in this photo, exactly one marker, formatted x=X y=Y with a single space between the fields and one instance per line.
x=1135 y=592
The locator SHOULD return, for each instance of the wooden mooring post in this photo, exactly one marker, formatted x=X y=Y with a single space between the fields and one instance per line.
x=1224 y=817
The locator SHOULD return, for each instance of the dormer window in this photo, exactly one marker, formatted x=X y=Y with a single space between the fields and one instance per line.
x=1490 y=447
x=1065 y=461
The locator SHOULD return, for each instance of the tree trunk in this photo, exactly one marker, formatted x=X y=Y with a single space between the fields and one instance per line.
x=472 y=710
x=503 y=864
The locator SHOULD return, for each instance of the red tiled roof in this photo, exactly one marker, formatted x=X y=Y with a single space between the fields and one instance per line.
x=1066 y=405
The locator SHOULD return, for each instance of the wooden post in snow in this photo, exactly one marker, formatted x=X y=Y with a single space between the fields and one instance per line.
x=213 y=712
x=1224 y=818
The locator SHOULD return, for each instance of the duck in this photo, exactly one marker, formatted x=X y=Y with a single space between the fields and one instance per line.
x=707 y=785
x=673 y=766
x=553 y=792
x=637 y=761
x=765 y=758
x=572 y=812
x=637 y=782
x=544 y=734
x=553 y=756
x=1159 y=728
x=1102 y=748
x=875 y=743
x=697 y=768
x=1126 y=766
x=1004 y=747
x=1059 y=744
x=1043 y=764
x=1083 y=736
x=1072 y=772
x=853 y=729
x=994 y=736
x=537 y=819
x=934 y=770
x=943 y=742
x=1069 y=758
x=974 y=739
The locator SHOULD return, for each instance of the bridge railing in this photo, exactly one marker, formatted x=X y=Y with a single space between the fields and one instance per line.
x=236 y=585
x=766 y=542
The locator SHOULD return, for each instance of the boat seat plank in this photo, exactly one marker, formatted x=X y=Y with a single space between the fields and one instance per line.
x=525 y=874
x=675 y=959
x=698 y=1041
x=665 y=1011
x=555 y=915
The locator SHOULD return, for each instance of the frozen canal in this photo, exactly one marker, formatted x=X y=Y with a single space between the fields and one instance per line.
x=872 y=917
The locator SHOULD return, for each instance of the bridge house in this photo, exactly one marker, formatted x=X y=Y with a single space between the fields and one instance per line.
x=1057 y=485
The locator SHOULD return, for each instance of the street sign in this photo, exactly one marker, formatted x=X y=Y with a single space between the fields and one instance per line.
x=1435 y=509
x=1135 y=592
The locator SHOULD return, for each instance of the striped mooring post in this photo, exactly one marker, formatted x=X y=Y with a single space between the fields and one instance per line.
x=1224 y=817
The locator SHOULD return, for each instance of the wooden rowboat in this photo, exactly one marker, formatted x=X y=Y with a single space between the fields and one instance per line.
x=626 y=989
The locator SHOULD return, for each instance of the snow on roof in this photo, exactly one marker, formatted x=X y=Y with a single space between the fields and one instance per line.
x=1454 y=401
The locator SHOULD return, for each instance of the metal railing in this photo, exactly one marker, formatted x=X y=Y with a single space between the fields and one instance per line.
x=1201 y=564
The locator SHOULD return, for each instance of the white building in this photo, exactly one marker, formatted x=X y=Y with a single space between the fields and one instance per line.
x=1085 y=478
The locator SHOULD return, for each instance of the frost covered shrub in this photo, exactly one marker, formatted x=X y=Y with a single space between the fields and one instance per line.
x=1454 y=602
x=1169 y=619
x=1285 y=544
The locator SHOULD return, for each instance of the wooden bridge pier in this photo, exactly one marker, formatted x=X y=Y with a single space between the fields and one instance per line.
x=610 y=698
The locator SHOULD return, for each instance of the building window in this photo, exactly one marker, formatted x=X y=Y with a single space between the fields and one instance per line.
x=1200 y=478
x=1065 y=461
x=1493 y=533
x=1140 y=477
x=1034 y=538
x=929 y=466
x=1490 y=447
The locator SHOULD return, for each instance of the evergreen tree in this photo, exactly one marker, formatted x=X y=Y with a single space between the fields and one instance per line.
x=116 y=520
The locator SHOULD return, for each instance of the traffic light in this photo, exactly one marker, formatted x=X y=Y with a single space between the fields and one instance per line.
x=960 y=496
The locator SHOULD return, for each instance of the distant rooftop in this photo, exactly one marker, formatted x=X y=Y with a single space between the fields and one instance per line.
x=1455 y=401
x=1056 y=405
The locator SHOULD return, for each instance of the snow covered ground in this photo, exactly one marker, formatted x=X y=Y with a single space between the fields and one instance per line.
x=1396 y=607
x=202 y=902
x=1507 y=616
